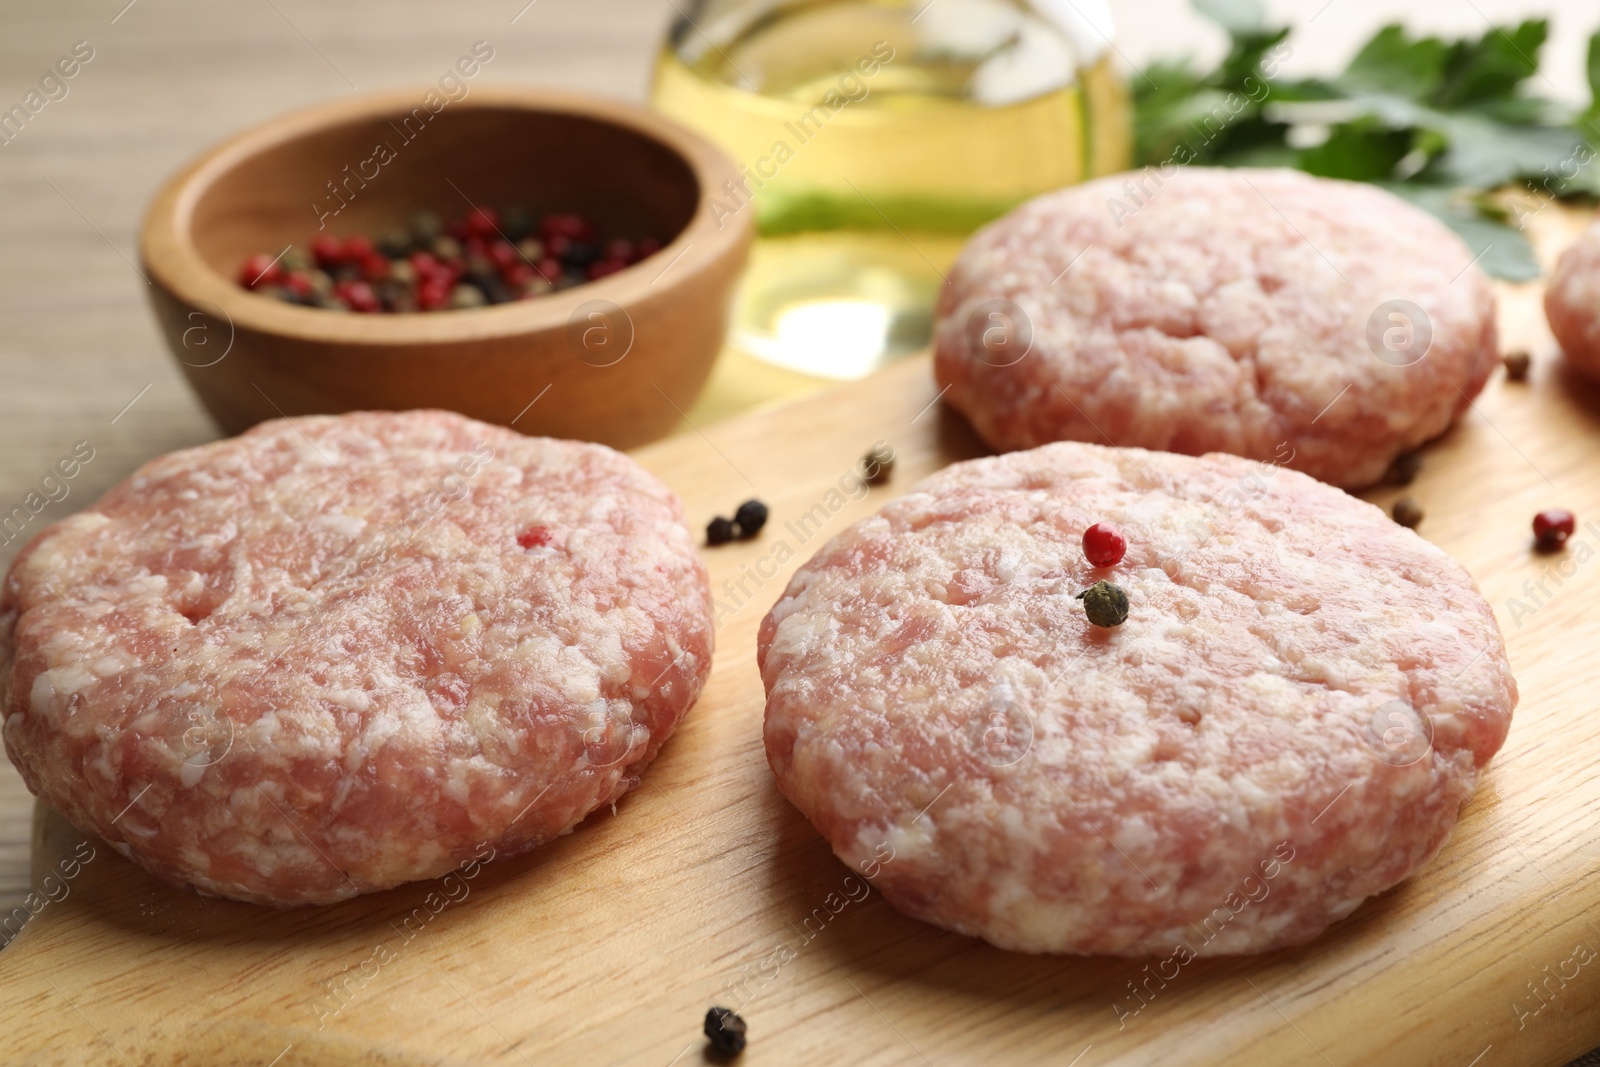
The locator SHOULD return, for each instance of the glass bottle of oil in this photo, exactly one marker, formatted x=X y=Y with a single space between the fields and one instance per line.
x=873 y=137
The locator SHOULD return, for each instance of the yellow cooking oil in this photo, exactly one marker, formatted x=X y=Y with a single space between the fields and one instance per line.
x=872 y=138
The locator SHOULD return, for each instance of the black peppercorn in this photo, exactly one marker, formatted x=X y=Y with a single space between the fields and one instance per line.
x=1407 y=512
x=1105 y=604
x=751 y=516
x=425 y=226
x=878 y=464
x=395 y=243
x=1517 y=364
x=516 y=222
x=725 y=1031
x=719 y=531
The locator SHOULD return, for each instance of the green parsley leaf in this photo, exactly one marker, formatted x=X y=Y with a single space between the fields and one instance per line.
x=1441 y=122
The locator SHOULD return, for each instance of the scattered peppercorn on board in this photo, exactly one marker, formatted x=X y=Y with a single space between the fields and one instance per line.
x=706 y=888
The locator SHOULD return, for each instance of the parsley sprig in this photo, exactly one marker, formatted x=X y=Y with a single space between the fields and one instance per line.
x=1440 y=122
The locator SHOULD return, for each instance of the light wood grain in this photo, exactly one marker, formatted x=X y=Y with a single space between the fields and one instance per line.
x=608 y=946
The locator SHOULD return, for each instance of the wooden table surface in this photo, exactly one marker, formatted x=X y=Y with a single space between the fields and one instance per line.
x=80 y=359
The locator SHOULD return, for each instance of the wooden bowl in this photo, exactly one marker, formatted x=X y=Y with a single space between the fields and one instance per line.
x=615 y=360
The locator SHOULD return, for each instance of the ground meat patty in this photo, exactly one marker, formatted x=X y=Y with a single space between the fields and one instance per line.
x=1572 y=303
x=1265 y=313
x=1239 y=764
x=340 y=653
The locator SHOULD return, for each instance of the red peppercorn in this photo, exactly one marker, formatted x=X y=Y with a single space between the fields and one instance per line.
x=1104 y=545
x=357 y=249
x=375 y=266
x=558 y=245
x=533 y=537
x=1552 y=527
x=359 y=295
x=299 y=283
x=483 y=222
x=433 y=294
x=620 y=248
x=503 y=254
x=606 y=266
x=260 y=270
x=327 y=251
x=518 y=275
x=549 y=268
x=565 y=224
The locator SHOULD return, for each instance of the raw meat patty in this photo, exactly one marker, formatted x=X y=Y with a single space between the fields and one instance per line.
x=1265 y=313
x=1232 y=769
x=340 y=653
x=1572 y=303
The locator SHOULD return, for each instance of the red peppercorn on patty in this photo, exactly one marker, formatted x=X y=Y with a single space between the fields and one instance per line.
x=336 y=654
x=1265 y=313
x=1300 y=699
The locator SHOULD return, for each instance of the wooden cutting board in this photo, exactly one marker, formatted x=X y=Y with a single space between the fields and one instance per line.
x=608 y=946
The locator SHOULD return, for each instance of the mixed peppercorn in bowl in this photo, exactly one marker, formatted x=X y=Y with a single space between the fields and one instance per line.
x=483 y=257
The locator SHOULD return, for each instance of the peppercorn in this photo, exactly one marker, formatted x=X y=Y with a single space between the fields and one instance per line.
x=1104 y=545
x=395 y=242
x=396 y=297
x=516 y=222
x=425 y=226
x=296 y=259
x=328 y=251
x=719 y=531
x=1105 y=604
x=1404 y=469
x=878 y=463
x=726 y=1031
x=483 y=222
x=1552 y=527
x=260 y=271
x=445 y=247
x=1517 y=364
x=751 y=516
x=358 y=296
x=424 y=265
x=1407 y=512
x=581 y=254
x=565 y=224
x=467 y=296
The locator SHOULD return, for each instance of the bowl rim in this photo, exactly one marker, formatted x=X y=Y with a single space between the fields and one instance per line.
x=172 y=261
